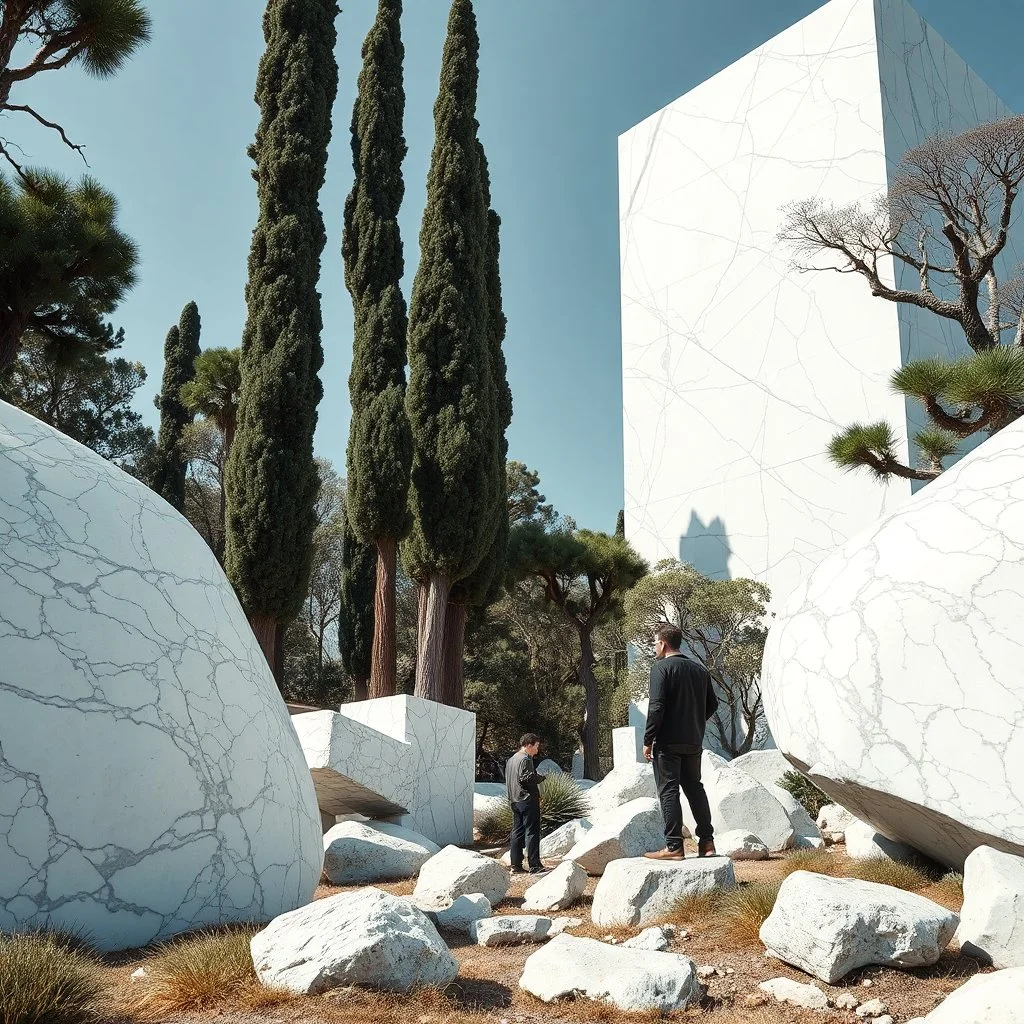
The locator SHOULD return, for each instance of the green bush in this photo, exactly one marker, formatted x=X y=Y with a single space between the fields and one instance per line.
x=801 y=787
x=561 y=800
x=47 y=978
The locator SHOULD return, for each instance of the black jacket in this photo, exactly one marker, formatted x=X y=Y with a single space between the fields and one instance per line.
x=682 y=700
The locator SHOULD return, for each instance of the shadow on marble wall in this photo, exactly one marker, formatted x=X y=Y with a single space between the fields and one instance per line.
x=706 y=547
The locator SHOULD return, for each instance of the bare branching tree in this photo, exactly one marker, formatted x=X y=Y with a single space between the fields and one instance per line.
x=947 y=218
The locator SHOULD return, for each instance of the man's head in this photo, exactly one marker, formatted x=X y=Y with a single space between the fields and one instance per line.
x=530 y=742
x=667 y=640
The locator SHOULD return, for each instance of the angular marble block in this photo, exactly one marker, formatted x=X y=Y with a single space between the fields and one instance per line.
x=400 y=758
x=893 y=675
x=150 y=780
x=627 y=746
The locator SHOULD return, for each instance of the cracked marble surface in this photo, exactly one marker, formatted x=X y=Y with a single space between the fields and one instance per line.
x=737 y=369
x=408 y=760
x=150 y=780
x=894 y=675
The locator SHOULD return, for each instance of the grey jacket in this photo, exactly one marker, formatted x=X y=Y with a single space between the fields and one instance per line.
x=522 y=783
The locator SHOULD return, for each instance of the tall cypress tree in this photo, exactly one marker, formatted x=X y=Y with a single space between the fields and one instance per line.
x=380 y=442
x=482 y=586
x=271 y=478
x=450 y=401
x=355 y=617
x=167 y=476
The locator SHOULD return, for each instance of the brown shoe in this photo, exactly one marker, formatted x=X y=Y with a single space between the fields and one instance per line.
x=666 y=855
x=707 y=848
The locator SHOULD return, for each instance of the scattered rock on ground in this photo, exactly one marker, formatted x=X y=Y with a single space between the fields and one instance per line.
x=785 y=990
x=864 y=843
x=996 y=998
x=872 y=1008
x=629 y=979
x=831 y=926
x=631 y=830
x=834 y=819
x=455 y=872
x=358 y=853
x=740 y=845
x=620 y=786
x=638 y=891
x=510 y=930
x=559 y=890
x=846 y=1001
x=461 y=913
x=658 y=938
x=992 y=919
x=488 y=798
x=564 y=838
x=367 y=937
x=563 y=924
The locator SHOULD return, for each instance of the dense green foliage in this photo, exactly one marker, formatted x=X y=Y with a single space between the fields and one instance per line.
x=723 y=625
x=167 y=472
x=801 y=788
x=64 y=264
x=355 y=618
x=213 y=390
x=561 y=801
x=271 y=479
x=86 y=394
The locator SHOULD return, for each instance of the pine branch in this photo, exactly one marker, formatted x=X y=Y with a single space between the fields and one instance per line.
x=26 y=109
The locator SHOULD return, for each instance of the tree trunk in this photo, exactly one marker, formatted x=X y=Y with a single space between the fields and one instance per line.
x=265 y=629
x=430 y=665
x=279 y=632
x=454 y=644
x=362 y=688
x=384 y=660
x=12 y=327
x=421 y=620
x=591 y=743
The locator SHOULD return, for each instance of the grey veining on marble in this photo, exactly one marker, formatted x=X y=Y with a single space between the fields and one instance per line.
x=894 y=674
x=150 y=779
x=738 y=369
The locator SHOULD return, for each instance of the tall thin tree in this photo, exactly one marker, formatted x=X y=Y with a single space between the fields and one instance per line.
x=167 y=476
x=380 y=442
x=271 y=479
x=355 y=618
x=450 y=397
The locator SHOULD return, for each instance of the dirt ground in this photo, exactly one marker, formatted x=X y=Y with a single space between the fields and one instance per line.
x=487 y=989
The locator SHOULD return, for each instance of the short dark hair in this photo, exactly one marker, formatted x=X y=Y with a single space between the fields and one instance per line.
x=528 y=739
x=670 y=634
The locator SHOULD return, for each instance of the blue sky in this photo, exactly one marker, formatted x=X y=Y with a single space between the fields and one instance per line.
x=560 y=80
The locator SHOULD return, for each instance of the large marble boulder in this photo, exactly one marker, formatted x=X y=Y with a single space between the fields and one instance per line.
x=150 y=779
x=992 y=918
x=892 y=675
x=365 y=852
x=985 y=999
x=628 y=831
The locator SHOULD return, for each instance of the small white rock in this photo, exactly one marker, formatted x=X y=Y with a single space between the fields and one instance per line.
x=707 y=971
x=866 y=983
x=510 y=930
x=650 y=938
x=872 y=1008
x=846 y=1001
x=563 y=924
x=884 y=1019
x=785 y=990
x=139 y=974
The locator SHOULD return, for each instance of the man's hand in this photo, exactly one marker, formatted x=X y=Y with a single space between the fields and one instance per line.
x=648 y=754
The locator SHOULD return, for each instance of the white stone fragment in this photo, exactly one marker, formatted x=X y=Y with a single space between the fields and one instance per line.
x=559 y=890
x=631 y=830
x=846 y=1001
x=461 y=914
x=510 y=930
x=630 y=979
x=139 y=974
x=658 y=938
x=623 y=784
x=367 y=937
x=785 y=990
x=455 y=872
x=150 y=779
x=740 y=845
x=563 y=924
x=831 y=926
x=992 y=918
x=996 y=998
x=872 y=1008
x=361 y=853
x=638 y=891
x=864 y=843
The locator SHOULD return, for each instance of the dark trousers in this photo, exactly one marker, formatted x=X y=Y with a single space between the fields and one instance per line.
x=675 y=769
x=525 y=824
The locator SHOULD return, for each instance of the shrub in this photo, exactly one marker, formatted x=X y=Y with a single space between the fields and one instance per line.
x=743 y=910
x=47 y=978
x=697 y=906
x=799 y=786
x=561 y=800
x=198 y=972
x=820 y=862
x=949 y=888
x=888 y=872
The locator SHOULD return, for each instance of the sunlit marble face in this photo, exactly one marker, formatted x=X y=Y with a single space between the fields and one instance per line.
x=150 y=780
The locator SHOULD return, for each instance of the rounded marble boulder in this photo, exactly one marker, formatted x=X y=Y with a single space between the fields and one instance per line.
x=893 y=676
x=150 y=780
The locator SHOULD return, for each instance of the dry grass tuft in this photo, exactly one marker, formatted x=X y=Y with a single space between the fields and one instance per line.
x=202 y=971
x=821 y=862
x=743 y=910
x=697 y=908
x=948 y=889
x=47 y=977
x=888 y=872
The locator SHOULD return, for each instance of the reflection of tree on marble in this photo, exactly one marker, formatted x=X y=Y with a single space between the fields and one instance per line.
x=723 y=626
x=946 y=221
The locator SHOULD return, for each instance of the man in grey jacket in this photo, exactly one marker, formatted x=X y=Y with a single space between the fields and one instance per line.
x=522 y=783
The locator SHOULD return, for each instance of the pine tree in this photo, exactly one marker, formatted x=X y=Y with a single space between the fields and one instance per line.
x=271 y=478
x=483 y=585
x=167 y=476
x=355 y=619
x=620 y=524
x=450 y=396
x=380 y=443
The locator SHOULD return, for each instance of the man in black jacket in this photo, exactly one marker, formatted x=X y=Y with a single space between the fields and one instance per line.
x=522 y=783
x=682 y=699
